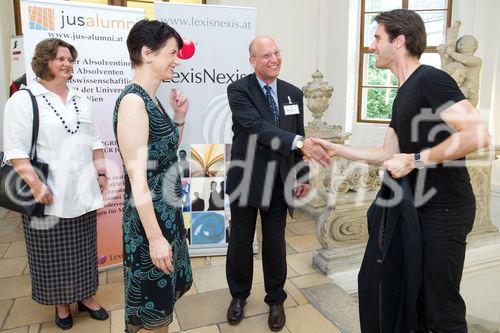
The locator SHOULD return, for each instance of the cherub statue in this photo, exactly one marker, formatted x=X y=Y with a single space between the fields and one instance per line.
x=458 y=59
x=450 y=42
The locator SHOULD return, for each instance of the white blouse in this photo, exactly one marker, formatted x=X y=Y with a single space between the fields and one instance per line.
x=72 y=177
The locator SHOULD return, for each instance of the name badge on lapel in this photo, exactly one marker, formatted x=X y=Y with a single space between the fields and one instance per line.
x=291 y=108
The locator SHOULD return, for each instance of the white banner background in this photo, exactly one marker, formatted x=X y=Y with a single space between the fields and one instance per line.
x=220 y=36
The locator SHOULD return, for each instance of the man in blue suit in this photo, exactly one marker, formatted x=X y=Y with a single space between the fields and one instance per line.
x=264 y=176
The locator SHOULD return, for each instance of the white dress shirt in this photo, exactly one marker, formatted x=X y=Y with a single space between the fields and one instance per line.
x=274 y=95
x=72 y=177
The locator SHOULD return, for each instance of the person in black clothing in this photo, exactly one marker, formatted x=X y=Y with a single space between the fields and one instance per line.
x=214 y=201
x=198 y=204
x=183 y=163
x=268 y=127
x=18 y=84
x=228 y=231
x=221 y=193
x=390 y=276
x=433 y=127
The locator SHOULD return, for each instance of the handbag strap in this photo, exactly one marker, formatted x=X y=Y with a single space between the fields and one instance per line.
x=36 y=124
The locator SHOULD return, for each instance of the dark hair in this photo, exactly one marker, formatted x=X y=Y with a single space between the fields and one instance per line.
x=407 y=23
x=153 y=34
x=45 y=51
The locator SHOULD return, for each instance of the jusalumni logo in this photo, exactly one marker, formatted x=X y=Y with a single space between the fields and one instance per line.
x=45 y=19
x=41 y=18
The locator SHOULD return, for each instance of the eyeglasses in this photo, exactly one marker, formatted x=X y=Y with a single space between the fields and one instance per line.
x=268 y=56
x=62 y=59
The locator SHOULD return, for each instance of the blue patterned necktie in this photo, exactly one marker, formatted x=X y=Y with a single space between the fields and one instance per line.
x=272 y=105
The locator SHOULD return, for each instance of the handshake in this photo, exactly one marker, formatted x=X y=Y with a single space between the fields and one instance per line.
x=318 y=149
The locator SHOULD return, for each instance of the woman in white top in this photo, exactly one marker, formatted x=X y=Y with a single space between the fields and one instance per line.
x=61 y=245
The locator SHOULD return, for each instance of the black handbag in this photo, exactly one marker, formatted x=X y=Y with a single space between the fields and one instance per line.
x=15 y=194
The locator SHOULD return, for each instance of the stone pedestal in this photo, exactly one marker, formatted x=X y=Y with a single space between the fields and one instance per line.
x=479 y=165
x=333 y=133
x=347 y=190
x=342 y=232
x=317 y=173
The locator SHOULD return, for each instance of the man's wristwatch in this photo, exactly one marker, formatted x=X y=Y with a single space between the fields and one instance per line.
x=418 y=162
x=300 y=142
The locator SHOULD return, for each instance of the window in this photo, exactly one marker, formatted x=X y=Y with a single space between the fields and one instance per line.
x=377 y=87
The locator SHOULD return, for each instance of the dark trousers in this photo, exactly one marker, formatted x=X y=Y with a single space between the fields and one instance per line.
x=239 y=260
x=444 y=231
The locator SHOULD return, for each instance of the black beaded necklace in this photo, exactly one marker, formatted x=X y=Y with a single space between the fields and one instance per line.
x=61 y=118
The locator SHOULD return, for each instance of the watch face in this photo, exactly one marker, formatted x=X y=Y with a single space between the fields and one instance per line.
x=300 y=144
x=418 y=162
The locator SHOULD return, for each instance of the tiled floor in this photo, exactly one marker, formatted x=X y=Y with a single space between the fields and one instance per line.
x=202 y=310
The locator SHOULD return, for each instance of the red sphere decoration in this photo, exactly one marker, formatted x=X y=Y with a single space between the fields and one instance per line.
x=187 y=49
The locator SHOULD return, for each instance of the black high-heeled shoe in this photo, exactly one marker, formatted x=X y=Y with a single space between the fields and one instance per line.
x=100 y=314
x=64 y=323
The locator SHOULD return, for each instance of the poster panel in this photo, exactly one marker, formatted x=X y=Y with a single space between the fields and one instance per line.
x=215 y=53
x=17 y=67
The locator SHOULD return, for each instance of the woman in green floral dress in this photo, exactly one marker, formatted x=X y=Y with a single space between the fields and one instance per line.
x=155 y=255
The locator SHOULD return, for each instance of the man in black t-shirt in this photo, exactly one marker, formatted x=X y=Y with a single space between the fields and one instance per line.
x=433 y=127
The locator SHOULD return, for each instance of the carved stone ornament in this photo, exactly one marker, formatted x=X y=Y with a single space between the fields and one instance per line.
x=318 y=94
x=347 y=175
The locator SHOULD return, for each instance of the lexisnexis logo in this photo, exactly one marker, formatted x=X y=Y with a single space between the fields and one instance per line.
x=45 y=19
x=41 y=18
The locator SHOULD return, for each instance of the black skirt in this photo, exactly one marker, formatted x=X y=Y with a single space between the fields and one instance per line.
x=62 y=256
